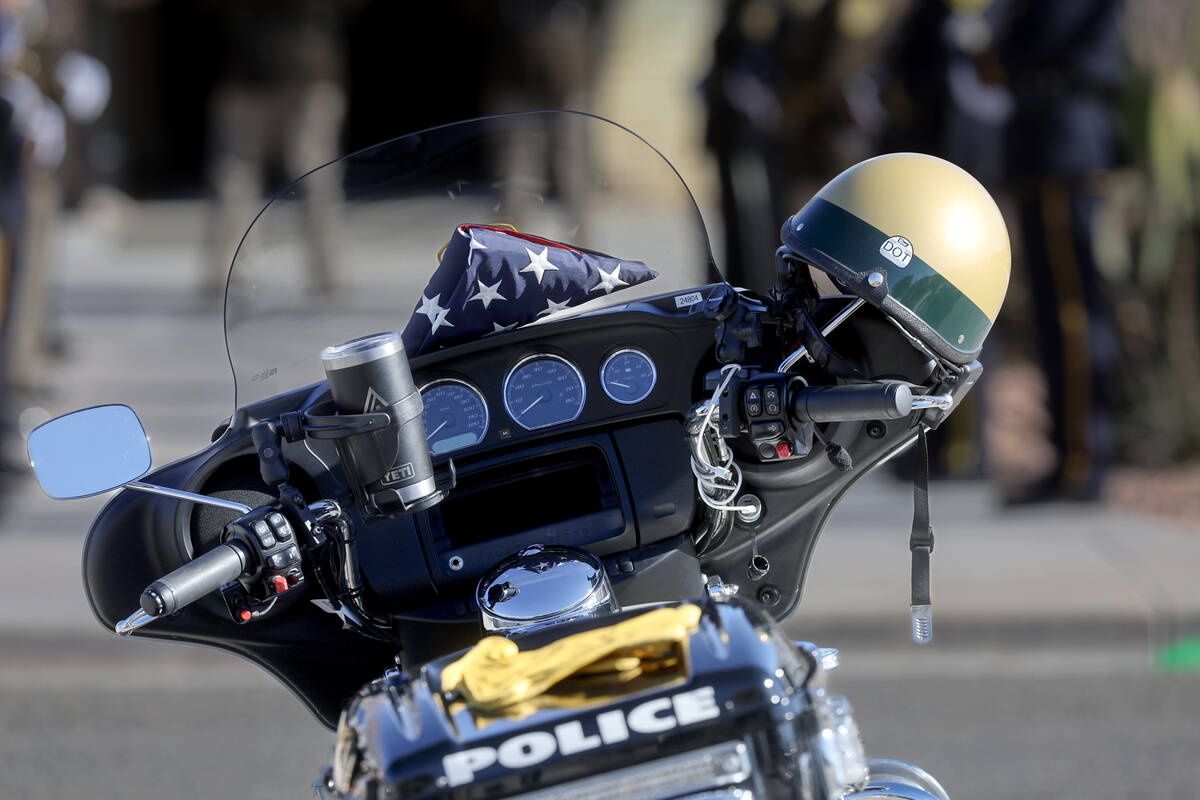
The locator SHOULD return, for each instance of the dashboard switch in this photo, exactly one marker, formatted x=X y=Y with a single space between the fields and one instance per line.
x=783 y=450
x=279 y=584
x=765 y=431
x=263 y=531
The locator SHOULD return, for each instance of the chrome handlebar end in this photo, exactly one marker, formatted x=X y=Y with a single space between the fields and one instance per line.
x=137 y=619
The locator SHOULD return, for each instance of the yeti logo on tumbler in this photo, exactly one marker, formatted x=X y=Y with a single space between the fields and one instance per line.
x=389 y=469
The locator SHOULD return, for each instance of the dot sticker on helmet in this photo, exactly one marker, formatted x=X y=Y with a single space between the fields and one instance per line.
x=897 y=250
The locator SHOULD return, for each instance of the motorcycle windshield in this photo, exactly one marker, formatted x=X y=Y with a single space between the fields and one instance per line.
x=350 y=248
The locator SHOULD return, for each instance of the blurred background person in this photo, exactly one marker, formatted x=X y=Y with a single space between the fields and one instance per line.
x=1024 y=96
x=49 y=88
x=1148 y=244
x=279 y=103
x=547 y=54
x=792 y=101
x=1065 y=66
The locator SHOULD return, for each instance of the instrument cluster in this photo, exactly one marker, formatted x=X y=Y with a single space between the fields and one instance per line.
x=539 y=391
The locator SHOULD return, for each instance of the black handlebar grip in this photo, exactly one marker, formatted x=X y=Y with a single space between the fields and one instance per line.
x=195 y=579
x=851 y=402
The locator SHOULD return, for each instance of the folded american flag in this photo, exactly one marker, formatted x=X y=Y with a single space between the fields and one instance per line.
x=493 y=279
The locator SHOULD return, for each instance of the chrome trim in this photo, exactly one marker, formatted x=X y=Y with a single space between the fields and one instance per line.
x=837 y=744
x=894 y=778
x=891 y=790
x=325 y=511
x=653 y=375
x=942 y=401
x=552 y=357
x=179 y=494
x=719 y=765
x=728 y=793
x=581 y=589
x=134 y=621
x=362 y=350
x=487 y=412
x=719 y=590
x=802 y=351
x=828 y=657
x=416 y=491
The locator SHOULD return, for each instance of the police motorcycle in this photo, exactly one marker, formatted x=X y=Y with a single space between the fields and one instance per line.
x=537 y=543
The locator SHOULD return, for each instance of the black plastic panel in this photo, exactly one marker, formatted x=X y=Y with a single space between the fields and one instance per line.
x=656 y=461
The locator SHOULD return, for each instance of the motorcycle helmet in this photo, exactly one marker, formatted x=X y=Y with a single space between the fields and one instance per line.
x=917 y=237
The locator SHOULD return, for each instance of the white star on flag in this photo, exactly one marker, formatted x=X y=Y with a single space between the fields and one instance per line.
x=430 y=308
x=539 y=263
x=441 y=320
x=609 y=280
x=487 y=294
x=498 y=328
x=553 y=307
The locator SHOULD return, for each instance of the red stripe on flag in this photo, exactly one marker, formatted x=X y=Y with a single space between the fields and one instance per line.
x=528 y=237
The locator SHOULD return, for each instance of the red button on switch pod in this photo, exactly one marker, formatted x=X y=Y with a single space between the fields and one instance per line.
x=783 y=450
x=244 y=615
x=279 y=584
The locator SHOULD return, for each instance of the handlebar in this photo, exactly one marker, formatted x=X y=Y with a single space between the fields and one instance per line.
x=851 y=402
x=261 y=550
x=188 y=583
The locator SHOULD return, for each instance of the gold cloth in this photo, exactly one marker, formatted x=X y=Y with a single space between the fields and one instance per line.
x=496 y=679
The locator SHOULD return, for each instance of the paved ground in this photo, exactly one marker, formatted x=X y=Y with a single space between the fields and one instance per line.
x=1040 y=683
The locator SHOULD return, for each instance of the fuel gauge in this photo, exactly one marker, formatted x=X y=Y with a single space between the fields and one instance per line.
x=628 y=376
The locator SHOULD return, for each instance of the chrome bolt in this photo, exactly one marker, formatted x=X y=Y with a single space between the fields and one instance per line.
x=718 y=589
x=827 y=657
x=875 y=280
x=455 y=563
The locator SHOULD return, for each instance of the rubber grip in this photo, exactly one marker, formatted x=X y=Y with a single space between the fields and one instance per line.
x=851 y=402
x=194 y=579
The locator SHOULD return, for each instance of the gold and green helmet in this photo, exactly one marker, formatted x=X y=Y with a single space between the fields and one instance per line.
x=917 y=237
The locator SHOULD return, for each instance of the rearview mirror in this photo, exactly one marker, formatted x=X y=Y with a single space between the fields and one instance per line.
x=89 y=451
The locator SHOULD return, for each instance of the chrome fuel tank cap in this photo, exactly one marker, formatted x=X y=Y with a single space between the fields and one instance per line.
x=543 y=585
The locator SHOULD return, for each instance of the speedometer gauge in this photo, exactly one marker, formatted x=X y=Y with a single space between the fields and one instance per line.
x=455 y=415
x=544 y=390
x=628 y=376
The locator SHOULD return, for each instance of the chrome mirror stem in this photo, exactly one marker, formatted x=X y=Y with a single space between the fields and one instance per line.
x=179 y=494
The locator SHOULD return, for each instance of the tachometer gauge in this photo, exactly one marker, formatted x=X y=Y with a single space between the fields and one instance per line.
x=544 y=390
x=455 y=415
x=628 y=376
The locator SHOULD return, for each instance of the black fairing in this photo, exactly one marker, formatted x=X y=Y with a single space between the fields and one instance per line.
x=132 y=540
x=646 y=507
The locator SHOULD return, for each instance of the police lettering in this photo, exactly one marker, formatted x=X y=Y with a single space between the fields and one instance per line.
x=653 y=716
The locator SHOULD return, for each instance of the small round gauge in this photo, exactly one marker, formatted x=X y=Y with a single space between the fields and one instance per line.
x=544 y=390
x=455 y=415
x=628 y=376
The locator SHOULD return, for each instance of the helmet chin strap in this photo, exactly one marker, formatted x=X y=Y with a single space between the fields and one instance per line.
x=920 y=542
